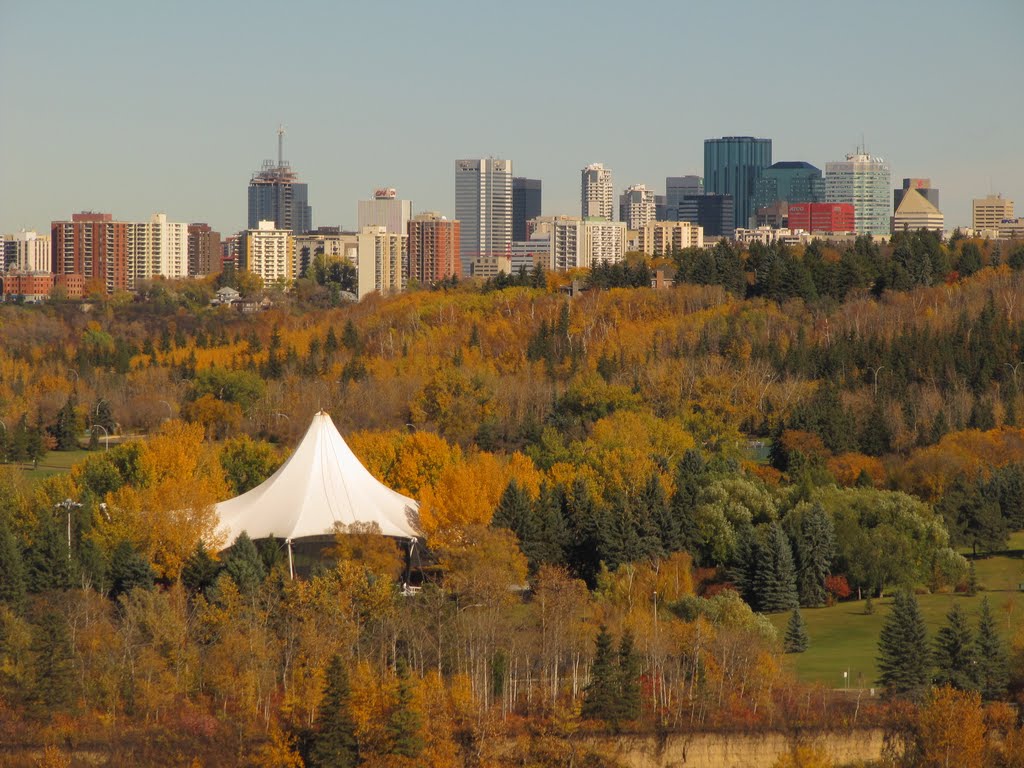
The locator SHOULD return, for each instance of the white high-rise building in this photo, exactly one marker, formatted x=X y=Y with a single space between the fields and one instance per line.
x=267 y=251
x=865 y=182
x=386 y=210
x=596 y=192
x=637 y=206
x=27 y=251
x=382 y=261
x=604 y=242
x=483 y=206
x=564 y=246
x=157 y=248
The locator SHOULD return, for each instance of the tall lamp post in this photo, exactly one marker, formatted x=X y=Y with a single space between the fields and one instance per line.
x=67 y=505
x=106 y=436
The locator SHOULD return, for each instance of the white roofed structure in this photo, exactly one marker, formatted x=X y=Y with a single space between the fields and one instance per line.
x=321 y=484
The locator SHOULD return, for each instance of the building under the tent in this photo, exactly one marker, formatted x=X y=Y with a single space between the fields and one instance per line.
x=322 y=485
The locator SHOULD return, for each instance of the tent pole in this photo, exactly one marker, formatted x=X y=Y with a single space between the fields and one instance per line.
x=291 y=565
x=408 y=562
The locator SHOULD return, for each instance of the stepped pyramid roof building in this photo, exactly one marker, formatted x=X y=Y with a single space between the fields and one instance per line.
x=917 y=212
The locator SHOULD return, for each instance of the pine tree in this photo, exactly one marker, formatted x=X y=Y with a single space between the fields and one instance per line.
x=796 y=640
x=513 y=510
x=774 y=574
x=992 y=674
x=128 y=570
x=600 y=698
x=405 y=724
x=47 y=564
x=550 y=537
x=585 y=520
x=691 y=476
x=903 y=649
x=628 y=679
x=244 y=564
x=200 y=570
x=67 y=426
x=816 y=547
x=334 y=744
x=51 y=649
x=12 y=570
x=666 y=525
x=954 y=653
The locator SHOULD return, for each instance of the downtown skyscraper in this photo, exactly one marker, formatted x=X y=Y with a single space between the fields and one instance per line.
x=732 y=166
x=865 y=182
x=596 y=192
x=275 y=194
x=483 y=207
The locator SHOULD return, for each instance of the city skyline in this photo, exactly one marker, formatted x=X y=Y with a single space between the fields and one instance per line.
x=191 y=122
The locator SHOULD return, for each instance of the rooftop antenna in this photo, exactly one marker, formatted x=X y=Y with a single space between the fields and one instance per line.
x=280 y=145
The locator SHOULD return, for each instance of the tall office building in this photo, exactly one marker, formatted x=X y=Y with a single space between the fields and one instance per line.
x=93 y=246
x=789 y=181
x=483 y=206
x=433 y=248
x=988 y=212
x=924 y=188
x=596 y=192
x=204 y=249
x=526 y=204
x=678 y=187
x=821 y=217
x=156 y=248
x=385 y=210
x=713 y=213
x=275 y=194
x=732 y=166
x=27 y=251
x=637 y=206
x=864 y=181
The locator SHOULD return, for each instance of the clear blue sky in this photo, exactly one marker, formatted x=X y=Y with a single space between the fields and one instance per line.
x=132 y=107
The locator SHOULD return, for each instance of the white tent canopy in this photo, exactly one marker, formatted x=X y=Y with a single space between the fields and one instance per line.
x=321 y=484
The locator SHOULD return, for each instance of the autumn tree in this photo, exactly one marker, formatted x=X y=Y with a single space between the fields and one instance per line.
x=405 y=724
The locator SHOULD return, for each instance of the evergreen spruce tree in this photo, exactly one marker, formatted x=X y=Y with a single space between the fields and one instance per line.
x=405 y=725
x=972 y=579
x=47 y=564
x=513 y=510
x=51 y=650
x=954 y=653
x=628 y=679
x=200 y=570
x=67 y=426
x=585 y=520
x=903 y=649
x=774 y=574
x=691 y=476
x=128 y=570
x=244 y=564
x=992 y=673
x=796 y=640
x=334 y=743
x=665 y=524
x=550 y=539
x=600 y=698
x=816 y=547
x=12 y=570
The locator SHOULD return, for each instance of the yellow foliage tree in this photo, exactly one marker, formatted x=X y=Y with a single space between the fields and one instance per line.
x=172 y=508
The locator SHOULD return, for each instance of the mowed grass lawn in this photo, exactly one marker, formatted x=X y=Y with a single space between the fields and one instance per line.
x=55 y=463
x=844 y=638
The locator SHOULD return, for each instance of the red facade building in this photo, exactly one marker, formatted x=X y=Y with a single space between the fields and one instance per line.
x=821 y=217
x=434 y=252
x=94 y=246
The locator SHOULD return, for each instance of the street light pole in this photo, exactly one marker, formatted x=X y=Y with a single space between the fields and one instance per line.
x=67 y=505
x=106 y=436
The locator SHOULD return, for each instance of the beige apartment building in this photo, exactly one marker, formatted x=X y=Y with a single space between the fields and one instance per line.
x=988 y=212
x=267 y=251
x=662 y=238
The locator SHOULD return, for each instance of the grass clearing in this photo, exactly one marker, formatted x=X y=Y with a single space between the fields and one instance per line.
x=55 y=463
x=844 y=638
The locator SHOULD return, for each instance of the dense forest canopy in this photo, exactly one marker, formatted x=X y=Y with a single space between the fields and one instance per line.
x=615 y=488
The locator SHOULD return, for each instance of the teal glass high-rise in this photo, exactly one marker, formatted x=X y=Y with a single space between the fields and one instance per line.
x=732 y=166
